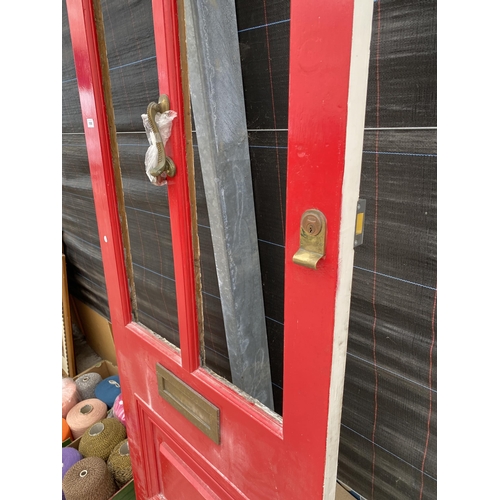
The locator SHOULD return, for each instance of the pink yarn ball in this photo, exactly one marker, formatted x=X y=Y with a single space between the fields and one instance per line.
x=70 y=395
x=118 y=410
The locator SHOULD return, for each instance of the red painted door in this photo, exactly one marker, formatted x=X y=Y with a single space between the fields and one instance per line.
x=191 y=434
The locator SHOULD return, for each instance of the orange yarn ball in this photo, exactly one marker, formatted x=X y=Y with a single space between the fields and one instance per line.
x=66 y=431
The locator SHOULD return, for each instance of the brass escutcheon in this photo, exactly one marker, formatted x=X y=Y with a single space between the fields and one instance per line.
x=312 y=239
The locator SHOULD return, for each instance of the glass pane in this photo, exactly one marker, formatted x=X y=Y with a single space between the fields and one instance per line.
x=128 y=29
x=263 y=45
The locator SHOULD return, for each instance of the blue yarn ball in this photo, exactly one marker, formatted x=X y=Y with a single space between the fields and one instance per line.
x=108 y=390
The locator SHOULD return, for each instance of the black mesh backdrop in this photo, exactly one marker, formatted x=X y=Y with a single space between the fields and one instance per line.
x=388 y=433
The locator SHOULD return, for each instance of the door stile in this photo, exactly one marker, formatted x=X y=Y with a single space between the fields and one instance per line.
x=84 y=39
x=320 y=55
x=168 y=60
x=95 y=122
x=166 y=33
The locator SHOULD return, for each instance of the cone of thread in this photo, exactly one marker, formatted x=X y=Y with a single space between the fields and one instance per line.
x=100 y=439
x=70 y=456
x=108 y=389
x=70 y=395
x=89 y=479
x=119 y=464
x=66 y=431
x=118 y=410
x=84 y=414
x=87 y=383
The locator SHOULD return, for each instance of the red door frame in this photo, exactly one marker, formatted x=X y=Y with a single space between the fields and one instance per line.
x=259 y=456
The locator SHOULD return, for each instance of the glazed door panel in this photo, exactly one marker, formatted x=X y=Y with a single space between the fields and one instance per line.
x=192 y=433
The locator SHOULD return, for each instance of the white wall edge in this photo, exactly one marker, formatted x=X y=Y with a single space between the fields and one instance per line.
x=358 y=83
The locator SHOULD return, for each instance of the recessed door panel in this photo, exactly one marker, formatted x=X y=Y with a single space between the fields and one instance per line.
x=173 y=471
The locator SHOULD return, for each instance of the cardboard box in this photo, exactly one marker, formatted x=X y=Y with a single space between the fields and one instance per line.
x=107 y=369
x=342 y=494
x=127 y=492
x=104 y=368
x=96 y=329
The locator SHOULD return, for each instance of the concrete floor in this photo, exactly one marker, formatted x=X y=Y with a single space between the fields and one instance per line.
x=85 y=356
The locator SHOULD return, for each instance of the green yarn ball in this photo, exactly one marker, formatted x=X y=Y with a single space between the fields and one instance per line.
x=100 y=439
x=119 y=464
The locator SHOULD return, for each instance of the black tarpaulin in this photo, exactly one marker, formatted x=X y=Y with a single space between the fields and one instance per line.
x=388 y=434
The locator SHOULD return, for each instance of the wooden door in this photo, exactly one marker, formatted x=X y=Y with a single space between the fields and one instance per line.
x=192 y=434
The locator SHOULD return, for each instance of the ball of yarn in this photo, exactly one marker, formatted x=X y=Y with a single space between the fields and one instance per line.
x=66 y=431
x=118 y=410
x=70 y=456
x=86 y=384
x=70 y=396
x=84 y=414
x=89 y=479
x=100 y=439
x=108 y=389
x=119 y=464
